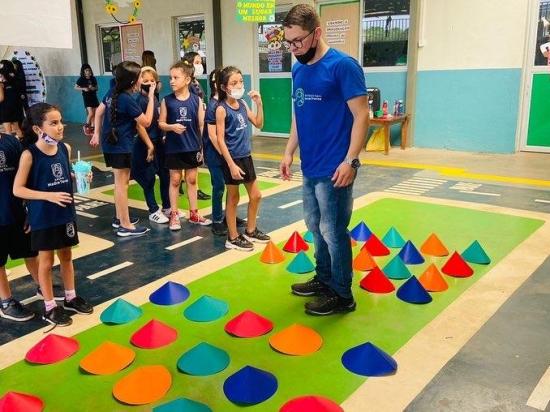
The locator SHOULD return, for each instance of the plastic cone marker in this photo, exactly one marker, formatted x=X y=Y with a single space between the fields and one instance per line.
x=433 y=246
x=170 y=293
x=311 y=404
x=361 y=232
x=248 y=325
x=376 y=282
x=301 y=264
x=393 y=238
x=396 y=269
x=475 y=254
x=153 y=335
x=272 y=254
x=410 y=255
x=375 y=247
x=107 y=358
x=363 y=261
x=369 y=360
x=120 y=312
x=203 y=360
x=250 y=386
x=432 y=280
x=412 y=291
x=182 y=405
x=296 y=340
x=457 y=267
x=295 y=244
x=206 y=309
x=308 y=237
x=17 y=401
x=143 y=385
x=53 y=348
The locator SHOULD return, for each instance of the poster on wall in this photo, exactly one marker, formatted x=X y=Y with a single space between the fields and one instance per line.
x=36 y=83
x=256 y=11
x=131 y=36
x=340 y=23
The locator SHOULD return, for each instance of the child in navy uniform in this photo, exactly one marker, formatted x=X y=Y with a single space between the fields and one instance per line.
x=87 y=84
x=232 y=129
x=11 y=105
x=14 y=242
x=117 y=129
x=182 y=118
x=44 y=179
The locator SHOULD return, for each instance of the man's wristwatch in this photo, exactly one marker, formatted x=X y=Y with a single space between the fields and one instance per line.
x=354 y=163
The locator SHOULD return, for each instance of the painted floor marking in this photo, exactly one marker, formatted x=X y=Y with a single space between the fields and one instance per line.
x=403 y=191
x=286 y=206
x=541 y=394
x=415 y=186
x=110 y=270
x=185 y=242
x=471 y=192
x=542 y=201
x=30 y=300
x=85 y=214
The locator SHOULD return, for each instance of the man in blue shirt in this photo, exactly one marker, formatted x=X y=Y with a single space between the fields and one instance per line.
x=329 y=125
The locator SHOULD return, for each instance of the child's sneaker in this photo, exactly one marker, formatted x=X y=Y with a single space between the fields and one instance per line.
x=116 y=222
x=168 y=212
x=14 y=310
x=78 y=305
x=203 y=196
x=137 y=231
x=219 y=228
x=256 y=236
x=158 y=217
x=175 y=223
x=197 y=219
x=239 y=243
x=57 y=316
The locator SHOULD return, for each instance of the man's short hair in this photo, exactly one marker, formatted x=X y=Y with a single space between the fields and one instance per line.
x=302 y=15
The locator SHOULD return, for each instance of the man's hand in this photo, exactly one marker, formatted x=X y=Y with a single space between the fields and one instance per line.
x=284 y=167
x=344 y=175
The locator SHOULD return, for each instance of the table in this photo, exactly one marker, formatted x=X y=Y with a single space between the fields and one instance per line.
x=386 y=123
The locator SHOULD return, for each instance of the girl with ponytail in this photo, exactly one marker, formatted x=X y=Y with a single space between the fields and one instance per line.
x=115 y=128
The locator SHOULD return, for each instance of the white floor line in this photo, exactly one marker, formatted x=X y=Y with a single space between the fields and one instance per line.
x=403 y=191
x=110 y=270
x=80 y=198
x=542 y=201
x=30 y=300
x=286 y=206
x=541 y=394
x=479 y=193
x=85 y=214
x=419 y=182
x=185 y=242
x=405 y=184
x=428 y=179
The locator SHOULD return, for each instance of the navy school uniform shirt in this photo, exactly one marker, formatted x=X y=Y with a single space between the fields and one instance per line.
x=186 y=113
x=153 y=130
x=320 y=92
x=84 y=82
x=11 y=207
x=237 y=133
x=127 y=110
x=213 y=158
x=50 y=174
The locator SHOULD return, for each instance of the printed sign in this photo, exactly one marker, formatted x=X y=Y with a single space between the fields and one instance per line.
x=132 y=42
x=256 y=11
x=36 y=84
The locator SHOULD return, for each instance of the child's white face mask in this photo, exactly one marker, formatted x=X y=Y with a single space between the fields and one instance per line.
x=237 y=93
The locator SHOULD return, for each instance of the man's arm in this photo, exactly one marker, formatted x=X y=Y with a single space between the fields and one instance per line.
x=291 y=145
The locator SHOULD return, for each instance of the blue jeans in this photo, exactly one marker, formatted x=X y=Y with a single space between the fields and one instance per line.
x=144 y=173
x=218 y=187
x=327 y=212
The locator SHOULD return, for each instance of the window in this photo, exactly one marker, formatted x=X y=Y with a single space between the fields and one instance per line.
x=191 y=36
x=542 y=53
x=385 y=32
x=110 y=47
x=273 y=56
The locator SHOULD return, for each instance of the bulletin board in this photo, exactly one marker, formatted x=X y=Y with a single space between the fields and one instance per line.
x=340 y=24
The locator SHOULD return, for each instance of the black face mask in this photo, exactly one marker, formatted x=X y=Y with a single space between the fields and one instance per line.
x=145 y=87
x=307 y=56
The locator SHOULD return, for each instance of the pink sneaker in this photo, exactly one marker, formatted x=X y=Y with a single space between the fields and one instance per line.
x=197 y=219
x=174 y=222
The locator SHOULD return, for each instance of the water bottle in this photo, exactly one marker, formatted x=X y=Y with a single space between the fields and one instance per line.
x=401 y=110
x=385 y=108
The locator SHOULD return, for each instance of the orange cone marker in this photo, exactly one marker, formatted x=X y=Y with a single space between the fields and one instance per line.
x=434 y=247
x=363 y=261
x=433 y=280
x=272 y=254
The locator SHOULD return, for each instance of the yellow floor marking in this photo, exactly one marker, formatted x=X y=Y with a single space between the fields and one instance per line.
x=541 y=394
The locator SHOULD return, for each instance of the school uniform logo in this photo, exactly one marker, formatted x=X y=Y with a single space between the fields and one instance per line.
x=70 y=230
x=299 y=97
x=57 y=170
x=242 y=122
x=2 y=159
x=183 y=112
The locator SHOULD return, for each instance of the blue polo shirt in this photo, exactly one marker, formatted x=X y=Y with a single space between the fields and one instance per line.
x=127 y=110
x=320 y=92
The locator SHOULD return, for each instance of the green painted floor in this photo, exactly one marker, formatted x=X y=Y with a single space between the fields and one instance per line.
x=136 y=193
x=382 y=319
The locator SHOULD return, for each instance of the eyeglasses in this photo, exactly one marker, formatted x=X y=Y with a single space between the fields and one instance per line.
x=297 y=44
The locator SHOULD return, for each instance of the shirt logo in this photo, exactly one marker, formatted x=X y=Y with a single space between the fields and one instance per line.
x=183 y=112
x=299 y=97
x=2 y=158
x=242 y=122
x=70 y=230
x=57 y=170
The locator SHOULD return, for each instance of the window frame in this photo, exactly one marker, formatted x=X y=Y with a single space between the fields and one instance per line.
x=102 y=67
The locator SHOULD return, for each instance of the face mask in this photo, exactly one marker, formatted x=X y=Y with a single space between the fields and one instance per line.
x=237 y=93
x=145 y=87
x=307 y=56
x=48 y=139
x=199 y=70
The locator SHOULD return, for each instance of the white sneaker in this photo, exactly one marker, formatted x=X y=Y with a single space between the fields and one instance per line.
x=175 y=223
x=168 y=211
x=158 y=217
